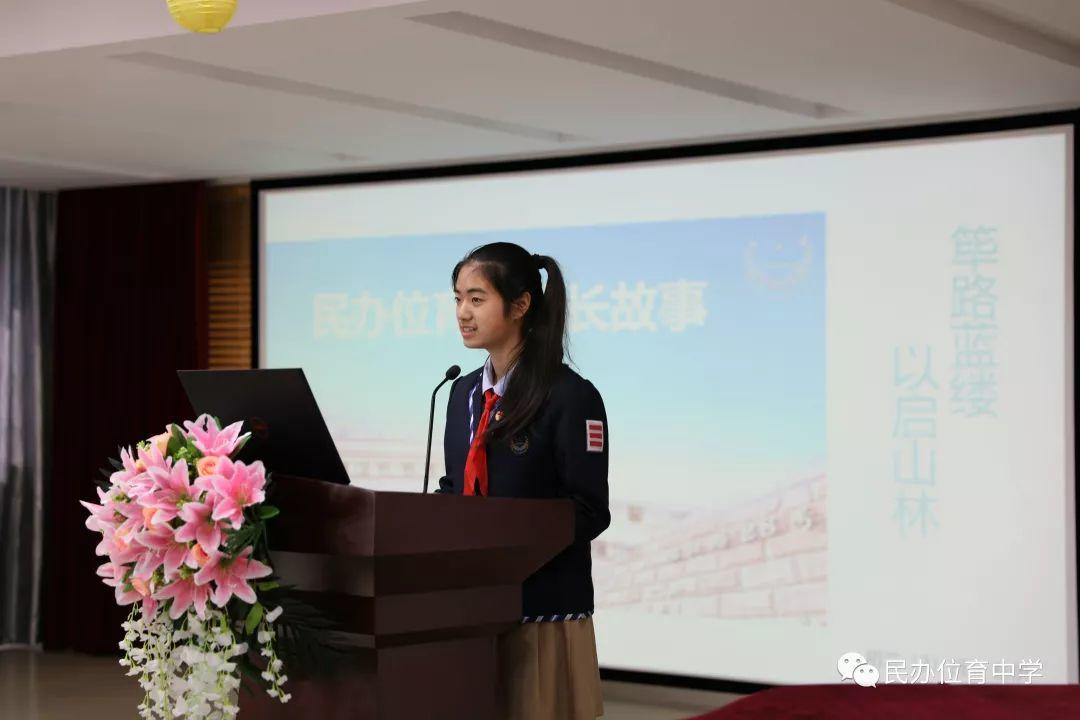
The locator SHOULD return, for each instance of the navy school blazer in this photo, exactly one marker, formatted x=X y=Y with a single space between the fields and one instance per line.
x=552 y=459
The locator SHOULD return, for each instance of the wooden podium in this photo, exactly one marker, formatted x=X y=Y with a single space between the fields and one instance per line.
x=421 y=585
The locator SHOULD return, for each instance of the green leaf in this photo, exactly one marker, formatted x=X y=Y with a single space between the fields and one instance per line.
x=176 y=441
x=172 y=447
x=253 y=619
x=267 y=511
x=265 y=586
x=239 y=539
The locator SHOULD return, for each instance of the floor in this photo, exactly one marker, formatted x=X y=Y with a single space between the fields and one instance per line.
x=59 y=686
x=614 y=710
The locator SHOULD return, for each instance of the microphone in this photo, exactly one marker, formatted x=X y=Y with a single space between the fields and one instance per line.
x=452 y=372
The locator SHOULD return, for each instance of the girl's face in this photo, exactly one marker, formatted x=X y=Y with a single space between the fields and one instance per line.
x=481 y=314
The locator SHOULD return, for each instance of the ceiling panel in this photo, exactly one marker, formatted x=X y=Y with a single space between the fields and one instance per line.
x=388 y=87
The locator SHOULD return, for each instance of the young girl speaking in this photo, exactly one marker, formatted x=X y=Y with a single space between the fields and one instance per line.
x=526 y=425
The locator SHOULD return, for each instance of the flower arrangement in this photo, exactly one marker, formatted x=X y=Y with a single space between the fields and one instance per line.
x=182 y=522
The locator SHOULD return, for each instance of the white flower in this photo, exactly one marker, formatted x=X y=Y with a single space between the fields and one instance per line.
x=273 y=614
x=184 y=672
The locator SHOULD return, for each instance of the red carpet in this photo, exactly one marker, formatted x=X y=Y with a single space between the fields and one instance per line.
x=906 y=702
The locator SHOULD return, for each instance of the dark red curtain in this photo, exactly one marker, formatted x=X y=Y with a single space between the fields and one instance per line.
x=130 y=310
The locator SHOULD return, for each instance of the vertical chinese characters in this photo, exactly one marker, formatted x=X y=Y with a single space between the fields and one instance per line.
x=974 y=322
x=914 y=437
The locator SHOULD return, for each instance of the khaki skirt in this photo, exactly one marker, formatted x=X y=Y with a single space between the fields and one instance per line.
x=549 y=671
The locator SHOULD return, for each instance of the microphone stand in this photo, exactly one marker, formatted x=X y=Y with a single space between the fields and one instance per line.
x=452 y=373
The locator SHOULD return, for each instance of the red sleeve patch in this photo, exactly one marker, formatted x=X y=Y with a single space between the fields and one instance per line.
x=594 y=435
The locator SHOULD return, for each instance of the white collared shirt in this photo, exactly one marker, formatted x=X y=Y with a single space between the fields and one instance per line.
x=489 y=378
x=487 y=382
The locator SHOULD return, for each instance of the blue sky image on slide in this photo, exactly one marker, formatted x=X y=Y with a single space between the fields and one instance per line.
x=706 y=337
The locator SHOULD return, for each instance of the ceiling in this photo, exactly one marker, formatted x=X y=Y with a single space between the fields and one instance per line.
x=113 y=92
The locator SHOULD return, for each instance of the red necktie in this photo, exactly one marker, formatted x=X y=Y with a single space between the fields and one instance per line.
x=476 y=462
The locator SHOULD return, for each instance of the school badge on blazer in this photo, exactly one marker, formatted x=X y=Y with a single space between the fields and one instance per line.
x=520 y=444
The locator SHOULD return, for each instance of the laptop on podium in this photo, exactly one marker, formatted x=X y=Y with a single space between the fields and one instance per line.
x=288 y=432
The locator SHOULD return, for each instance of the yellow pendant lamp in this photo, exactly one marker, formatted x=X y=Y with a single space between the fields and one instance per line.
x=202 y=16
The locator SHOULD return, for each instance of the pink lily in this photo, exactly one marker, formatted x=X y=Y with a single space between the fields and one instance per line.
x=185 y=592
x=108 y=573
x=145 y=566
x=230 y=575
x=133 y=479
x=118 y=545
x=137 y=487
x=149 y=605
x=149 y=458
x=112 y=511
x=128 y=462
x=242 y=488
x=212 y=440
x=103 y=515
x=172 y=489
x=174 y=552
x=126 y=597
x=114 y=575
x=199 y=524
x=129 y=470
x=133 y=519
